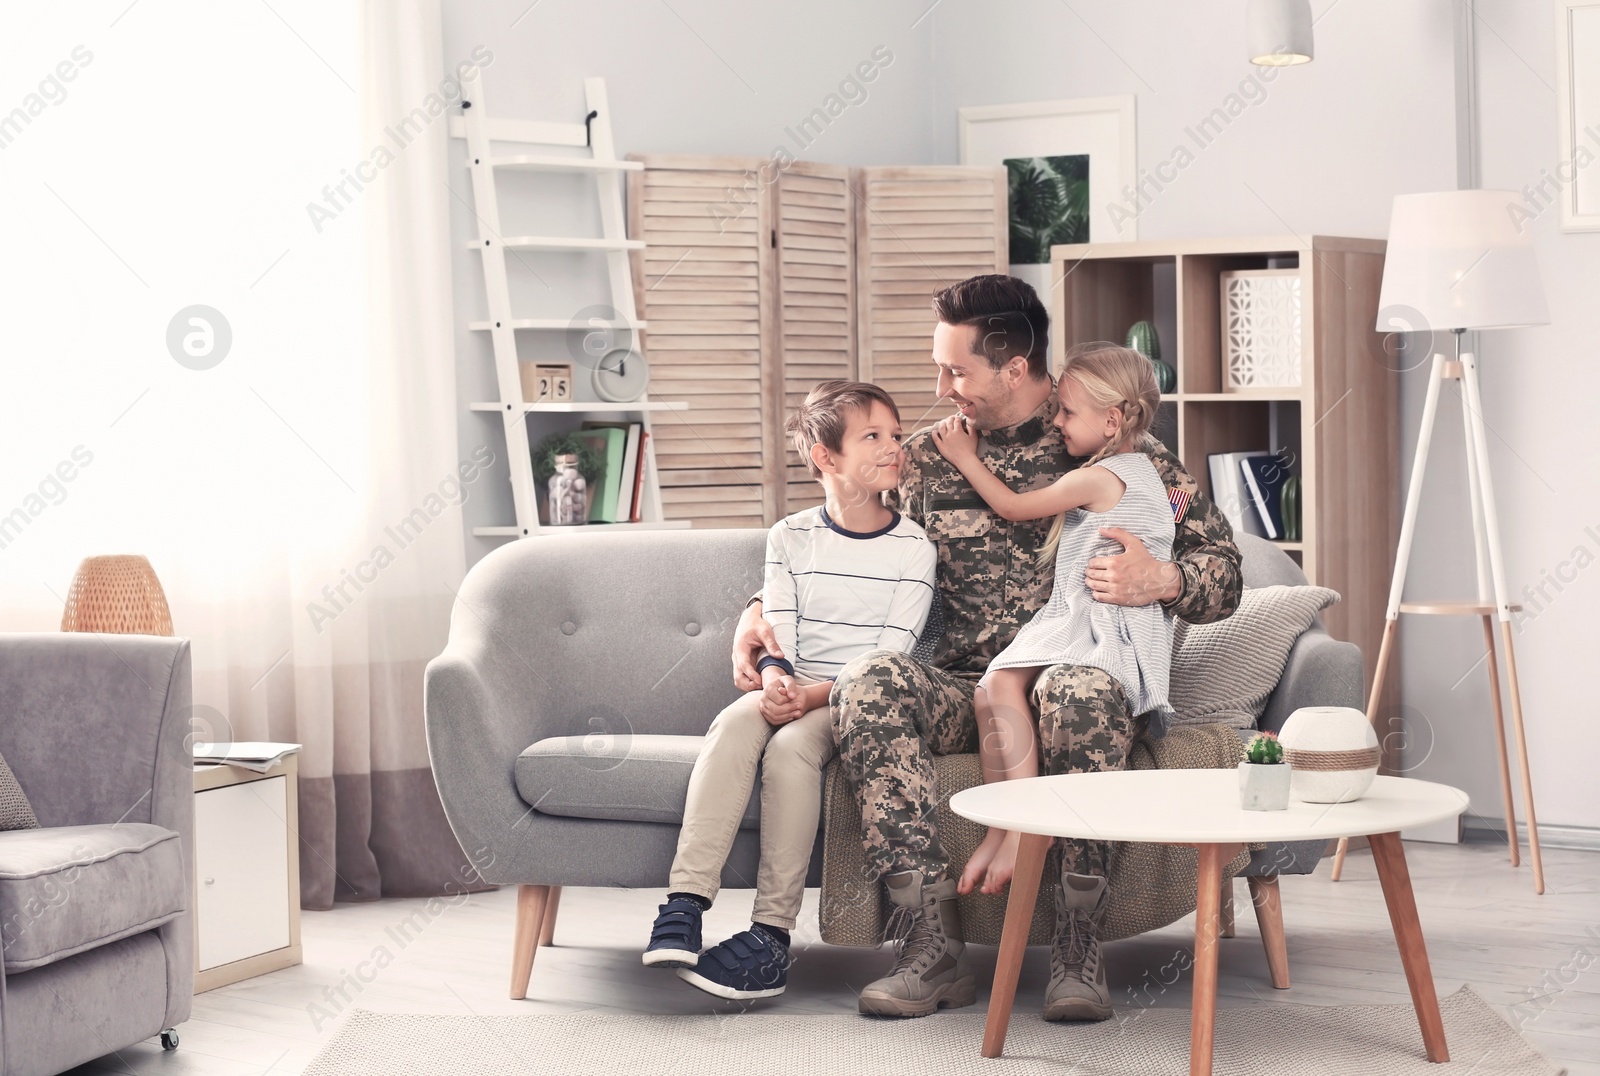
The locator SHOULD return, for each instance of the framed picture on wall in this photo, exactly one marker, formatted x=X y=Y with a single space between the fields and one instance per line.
x=1068 y=163
x=1578 y=102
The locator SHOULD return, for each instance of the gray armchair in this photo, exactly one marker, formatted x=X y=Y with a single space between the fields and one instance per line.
x=98 y=945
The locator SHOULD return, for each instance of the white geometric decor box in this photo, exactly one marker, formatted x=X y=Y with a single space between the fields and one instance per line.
x=1260 y=329
x=1333 y=752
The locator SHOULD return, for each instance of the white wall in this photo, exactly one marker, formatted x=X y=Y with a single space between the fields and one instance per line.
x=1325 y=150
x=1540 y=387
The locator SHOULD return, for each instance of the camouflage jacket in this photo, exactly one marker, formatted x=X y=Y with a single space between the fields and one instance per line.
x=990 y=578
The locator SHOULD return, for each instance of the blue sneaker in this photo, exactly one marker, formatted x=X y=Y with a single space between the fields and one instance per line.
x=675 y=937
x=751 y=964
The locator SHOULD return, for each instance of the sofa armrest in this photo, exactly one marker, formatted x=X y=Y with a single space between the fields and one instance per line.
x=475 y=734
x=1321 y=671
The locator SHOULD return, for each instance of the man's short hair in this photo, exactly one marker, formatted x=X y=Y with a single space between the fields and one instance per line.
x=822 y=418
x=1008 y=315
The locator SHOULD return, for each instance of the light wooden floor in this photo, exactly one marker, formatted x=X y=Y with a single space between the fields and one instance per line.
x=1537 y=959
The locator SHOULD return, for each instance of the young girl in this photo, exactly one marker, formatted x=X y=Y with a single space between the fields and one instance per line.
x=1108 y=399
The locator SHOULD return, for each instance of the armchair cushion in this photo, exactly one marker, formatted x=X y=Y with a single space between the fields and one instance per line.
x=1225 y=672
x=15 y=810
x=623 y=778
x=66 y=889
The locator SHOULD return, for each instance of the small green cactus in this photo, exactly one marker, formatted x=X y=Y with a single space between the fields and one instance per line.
x=1264 y=750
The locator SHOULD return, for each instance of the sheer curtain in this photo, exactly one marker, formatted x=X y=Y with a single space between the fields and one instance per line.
x=228 y=347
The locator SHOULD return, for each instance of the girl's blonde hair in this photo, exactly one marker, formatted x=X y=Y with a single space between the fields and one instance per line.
x=1112 y=376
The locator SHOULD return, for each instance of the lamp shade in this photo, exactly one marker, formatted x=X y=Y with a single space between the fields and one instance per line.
x=1458 y=259
x=1279 y=32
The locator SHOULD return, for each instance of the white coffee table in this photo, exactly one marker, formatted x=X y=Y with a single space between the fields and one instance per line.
x=1201 y=808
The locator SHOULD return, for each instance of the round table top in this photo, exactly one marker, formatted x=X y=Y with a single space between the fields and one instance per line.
x=1194 y=807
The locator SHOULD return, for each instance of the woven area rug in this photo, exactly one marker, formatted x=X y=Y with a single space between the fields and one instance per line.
x=1280 y=1040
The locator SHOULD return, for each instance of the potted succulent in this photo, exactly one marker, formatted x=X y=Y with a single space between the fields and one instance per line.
x=1264 y=775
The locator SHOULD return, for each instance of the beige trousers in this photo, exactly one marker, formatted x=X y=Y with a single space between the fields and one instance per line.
x=791 y=758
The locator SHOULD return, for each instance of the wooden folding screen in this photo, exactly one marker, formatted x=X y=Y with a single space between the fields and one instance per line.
x=919 y=229
x=816 y=299
x=758 y=282
x=704 y=288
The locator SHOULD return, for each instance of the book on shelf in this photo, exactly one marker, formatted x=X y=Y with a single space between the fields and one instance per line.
x=630 y=469
x=627 y=489
x=608 y=441
x=1232 y=495
x=638 y=476
x=1264 y=475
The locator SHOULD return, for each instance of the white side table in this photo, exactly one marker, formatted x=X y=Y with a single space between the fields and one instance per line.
x=247 y=871
x=1201 y=808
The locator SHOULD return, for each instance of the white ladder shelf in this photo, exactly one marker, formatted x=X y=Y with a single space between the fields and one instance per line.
x=480 y=131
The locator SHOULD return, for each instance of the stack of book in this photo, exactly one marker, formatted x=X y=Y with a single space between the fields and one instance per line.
x=1248 y=487
x=619 y=489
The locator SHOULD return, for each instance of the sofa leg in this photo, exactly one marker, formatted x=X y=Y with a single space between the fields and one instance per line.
x=1227 y=908
x=1269 y=917
x=552 y=904
x=530 y=919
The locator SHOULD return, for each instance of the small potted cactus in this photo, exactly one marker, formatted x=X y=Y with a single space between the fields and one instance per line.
x=1264 y=775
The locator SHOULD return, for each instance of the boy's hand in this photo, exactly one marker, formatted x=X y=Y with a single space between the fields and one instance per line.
x=956 y=439
x=780 y=698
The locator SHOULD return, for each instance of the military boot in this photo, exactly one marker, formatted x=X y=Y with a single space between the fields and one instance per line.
x=1077 y=977
x=930 y=968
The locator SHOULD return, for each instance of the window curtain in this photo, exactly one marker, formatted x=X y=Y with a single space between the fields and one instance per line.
x=230 y=324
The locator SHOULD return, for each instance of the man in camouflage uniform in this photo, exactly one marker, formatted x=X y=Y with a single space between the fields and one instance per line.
x=893 y=712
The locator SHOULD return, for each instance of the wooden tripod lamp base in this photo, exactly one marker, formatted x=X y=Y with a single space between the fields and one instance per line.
x=1492 y=602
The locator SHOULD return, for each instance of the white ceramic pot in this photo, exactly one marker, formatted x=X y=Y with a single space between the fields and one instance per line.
x=1264 y=786
x=1334 y=752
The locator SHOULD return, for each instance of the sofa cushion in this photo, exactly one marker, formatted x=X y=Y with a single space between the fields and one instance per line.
x=66 y=889
x=624 y=778
x=15 y=810
x=1224 y=671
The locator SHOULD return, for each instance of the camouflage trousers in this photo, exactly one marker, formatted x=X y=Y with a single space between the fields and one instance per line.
x=892 y=714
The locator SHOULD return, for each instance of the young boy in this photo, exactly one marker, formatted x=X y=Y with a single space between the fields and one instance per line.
x=844 y=578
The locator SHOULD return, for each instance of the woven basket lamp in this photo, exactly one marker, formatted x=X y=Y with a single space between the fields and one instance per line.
x=119 y=595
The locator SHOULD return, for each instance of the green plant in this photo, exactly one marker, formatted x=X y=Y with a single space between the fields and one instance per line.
x=1264 y=750
x=1049 y=203
x=590 y=463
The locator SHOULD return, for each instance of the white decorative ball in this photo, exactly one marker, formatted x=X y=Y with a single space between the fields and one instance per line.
x=1333 y=751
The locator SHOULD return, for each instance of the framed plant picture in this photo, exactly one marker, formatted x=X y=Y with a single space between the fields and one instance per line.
x=1067 y=162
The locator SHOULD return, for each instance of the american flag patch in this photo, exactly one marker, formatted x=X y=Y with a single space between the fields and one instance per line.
x=1180 y=502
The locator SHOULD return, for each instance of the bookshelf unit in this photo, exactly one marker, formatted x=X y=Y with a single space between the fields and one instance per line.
x=1340 y=427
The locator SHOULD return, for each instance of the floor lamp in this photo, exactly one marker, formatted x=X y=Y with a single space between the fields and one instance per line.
x=1456 y=261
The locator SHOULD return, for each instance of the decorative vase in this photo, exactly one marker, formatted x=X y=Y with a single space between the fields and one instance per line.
x=569 y=496
x=1264 y=786
x=1334 y=752
x=1289 y=508
x=1143 y=339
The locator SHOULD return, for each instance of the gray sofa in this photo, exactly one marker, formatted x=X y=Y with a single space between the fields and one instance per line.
x=99 y=946
x=581 y=672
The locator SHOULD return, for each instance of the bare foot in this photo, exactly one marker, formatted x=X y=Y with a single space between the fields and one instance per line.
x=982 y=856
x=1003 y=864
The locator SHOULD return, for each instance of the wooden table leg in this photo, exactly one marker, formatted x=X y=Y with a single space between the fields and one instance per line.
x=1390 y=858
x=1207 y=928
x=1014 y=939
